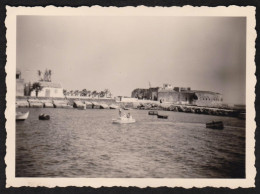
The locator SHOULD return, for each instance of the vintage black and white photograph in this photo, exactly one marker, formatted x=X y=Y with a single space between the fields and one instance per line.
x=130 y=96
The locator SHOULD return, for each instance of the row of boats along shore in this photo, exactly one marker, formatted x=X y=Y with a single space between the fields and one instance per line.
x=79 y=104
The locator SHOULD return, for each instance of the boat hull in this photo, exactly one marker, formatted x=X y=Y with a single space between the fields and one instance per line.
x=162 y=116
x=125 y=121
x=22 y=116
x=152 y=113
x=44 y=117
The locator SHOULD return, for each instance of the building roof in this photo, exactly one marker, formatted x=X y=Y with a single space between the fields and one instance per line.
x=200 y=91
x=50 y=84
x=189 y=91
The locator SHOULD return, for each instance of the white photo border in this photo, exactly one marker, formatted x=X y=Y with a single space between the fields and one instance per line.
x=231 y=11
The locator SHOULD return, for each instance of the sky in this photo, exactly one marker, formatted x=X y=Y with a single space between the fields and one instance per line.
x=122 y=53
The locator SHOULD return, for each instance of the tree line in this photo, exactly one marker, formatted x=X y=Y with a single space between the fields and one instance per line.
x=87 y=93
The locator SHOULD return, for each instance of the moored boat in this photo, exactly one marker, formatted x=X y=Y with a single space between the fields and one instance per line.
x=83 y=107
x=215 y=125
x=162 y=116
x=104 y=106
x=21 y=116
x=44 y=117
x=112 y=106
x=88 y=105
x=152 y=113
x=95 y=105
x=48 y=105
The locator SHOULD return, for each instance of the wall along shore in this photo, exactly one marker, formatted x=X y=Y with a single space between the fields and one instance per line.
x=95 y=103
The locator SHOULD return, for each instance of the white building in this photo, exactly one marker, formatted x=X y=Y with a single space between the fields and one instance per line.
x=167 y=87
x=49 y=89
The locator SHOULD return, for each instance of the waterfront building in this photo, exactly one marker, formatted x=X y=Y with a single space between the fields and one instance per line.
x=190 y=97
x=49 y=89
x=167 y=87
x=148 y=94
x=179 y=95
x=19 y=84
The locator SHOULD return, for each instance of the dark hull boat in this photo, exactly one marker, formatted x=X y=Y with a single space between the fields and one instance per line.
x=162 y=116
x=215 y=125
x=44 y=117
x=152 y=113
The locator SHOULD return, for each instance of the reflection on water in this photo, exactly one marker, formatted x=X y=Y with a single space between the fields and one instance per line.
x=85 y=143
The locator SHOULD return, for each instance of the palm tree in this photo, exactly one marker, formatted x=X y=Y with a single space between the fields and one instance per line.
x=37 y=87
x=89 y=93
x=109 y=94
x=46 y=75
x=98 y=94
x=94 y=93
x=81 y=93
x=64 y=92
x=102 y=94
x=84 y=92
x=106 y=92
x=76 y=92
x=49 y=75
x=40 y=75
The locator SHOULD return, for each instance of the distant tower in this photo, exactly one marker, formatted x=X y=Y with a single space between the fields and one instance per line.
x=150 y=85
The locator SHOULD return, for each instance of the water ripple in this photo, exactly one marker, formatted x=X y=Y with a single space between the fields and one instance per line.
x=76 y=143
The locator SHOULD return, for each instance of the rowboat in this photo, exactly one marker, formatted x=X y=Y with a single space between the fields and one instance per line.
x=215 y=125
x=21 y=116
x=44 y=117
x=162 y=116
x=123 y=120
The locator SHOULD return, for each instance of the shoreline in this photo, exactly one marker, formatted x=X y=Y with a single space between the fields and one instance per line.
x=109 y=103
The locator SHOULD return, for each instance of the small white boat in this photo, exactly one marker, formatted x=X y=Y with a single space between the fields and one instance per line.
x=123 y=120
x=20 y=116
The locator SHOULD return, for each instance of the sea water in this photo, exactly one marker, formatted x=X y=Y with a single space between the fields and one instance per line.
x=85 y=143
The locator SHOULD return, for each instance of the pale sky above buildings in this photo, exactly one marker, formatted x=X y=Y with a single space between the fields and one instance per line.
x=124 y=53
